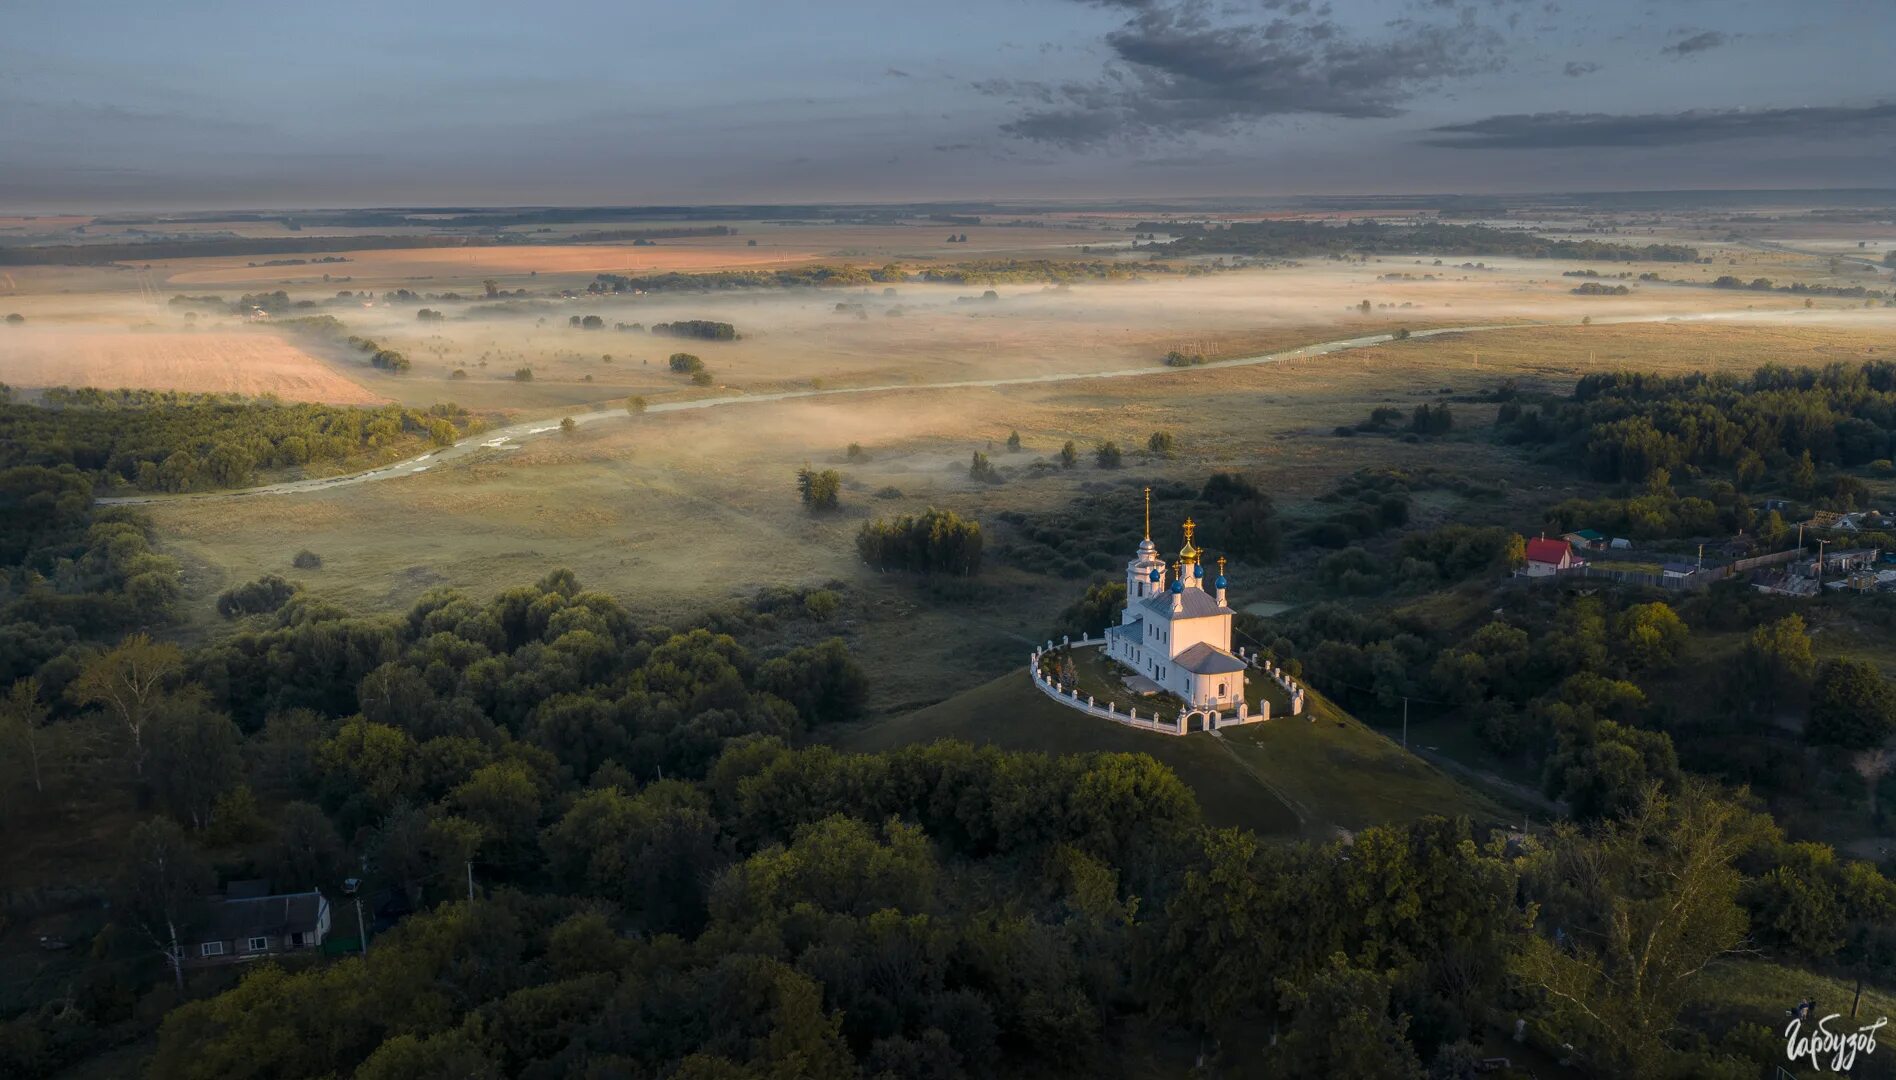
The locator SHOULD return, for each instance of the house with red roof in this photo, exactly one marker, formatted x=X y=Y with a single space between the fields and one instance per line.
x=1548 y=557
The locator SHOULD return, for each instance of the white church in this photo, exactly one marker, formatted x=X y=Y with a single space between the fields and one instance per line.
x=1174 y=631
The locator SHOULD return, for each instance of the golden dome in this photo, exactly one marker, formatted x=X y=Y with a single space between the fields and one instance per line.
x=1189 y=554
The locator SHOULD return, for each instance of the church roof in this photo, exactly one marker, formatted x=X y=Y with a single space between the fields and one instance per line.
x=1197 y=604
x=1131 y=630
x=1205 y=658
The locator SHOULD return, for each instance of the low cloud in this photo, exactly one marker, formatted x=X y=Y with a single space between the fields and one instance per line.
x=1697 y=43
x=1178 y=67
x=1576 y=69
x=1540 y=131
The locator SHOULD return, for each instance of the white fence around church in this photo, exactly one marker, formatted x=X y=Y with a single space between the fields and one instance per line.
x=1152 y=721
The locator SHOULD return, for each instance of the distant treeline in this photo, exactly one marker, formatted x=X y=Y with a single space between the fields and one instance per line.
x=1290 y=239
x=1784 y=421
x=702 y=329
x=982 y=272
x=169 y=441
x=97 y=254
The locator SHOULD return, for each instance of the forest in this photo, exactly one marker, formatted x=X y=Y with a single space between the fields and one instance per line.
x=770 y=908
x=1780 y=422
x=175 y=442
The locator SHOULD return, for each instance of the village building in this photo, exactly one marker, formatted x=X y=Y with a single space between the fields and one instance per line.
x=1175 y=630
x=1548 y=557
x=247 y=923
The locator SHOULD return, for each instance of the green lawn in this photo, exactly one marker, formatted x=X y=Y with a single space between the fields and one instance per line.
x=1288 y=778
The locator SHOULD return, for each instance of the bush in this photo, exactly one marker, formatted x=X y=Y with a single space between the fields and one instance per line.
x=1176 y=358
x=1162 y=443
x=701 y=378
x=267 y=593
x=980 y=468
x=683 y=363
x=524 y=374
x=1107 y=455
x=307 y=560
x=1069 y=455
x=568 y=425
x=635 y=405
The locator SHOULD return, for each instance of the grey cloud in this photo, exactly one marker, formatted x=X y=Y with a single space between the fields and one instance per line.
x=1177 y=70
x=1522 y=131
x=1710 y=39
x=1579 y=68
x=897 y=73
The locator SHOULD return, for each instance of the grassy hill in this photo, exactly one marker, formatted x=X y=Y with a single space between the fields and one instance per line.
x=1288 y=778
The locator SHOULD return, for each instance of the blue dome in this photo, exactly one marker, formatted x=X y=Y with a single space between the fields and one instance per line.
x=1198 y=570
x=1221 y=581
x=1178 y=585
x=1153 y=576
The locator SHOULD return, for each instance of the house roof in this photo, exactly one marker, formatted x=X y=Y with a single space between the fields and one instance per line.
x=263 y=916
x=1195 y=602
x=1130 y=630
x=1587 y=534
x=1679 y=568
x=1548 y=551
x=1205 y=658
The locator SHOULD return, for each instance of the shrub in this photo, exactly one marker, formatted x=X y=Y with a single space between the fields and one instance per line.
x=1162 y=443
x=1107 y=455
x=685 y=364
x=267 y=593
x=307 y=560
x=524 y=374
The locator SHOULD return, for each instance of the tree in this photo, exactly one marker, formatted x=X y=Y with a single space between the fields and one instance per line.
x=1641 y=906
x=1852 y=706
x=129 y=683
x=568 y=425
x=1013 y=442
x=820 y=490
x=635 y=405
x=194 y=759
x=523 y=374
x=162 y=882
x=1106 y=455
x=1777 y=663
x=980 y=468
x=1162 y=443
x=1069 y=455
x=307 y=853
x=23 y=728
x=684 y=363
x=1651 y=635
x=1872 y=765
x=491 y=286
x=592 y=322
x=1342 y=1025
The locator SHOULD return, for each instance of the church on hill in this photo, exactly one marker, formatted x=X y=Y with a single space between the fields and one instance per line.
x=1175 y=631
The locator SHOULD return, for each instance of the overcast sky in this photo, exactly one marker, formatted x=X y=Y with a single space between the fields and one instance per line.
x=193 y=103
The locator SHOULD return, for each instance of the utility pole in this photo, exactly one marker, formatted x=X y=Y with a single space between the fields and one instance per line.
x=362 y=931
x=470 y=881
x=1405 y=723
x=1820 y=565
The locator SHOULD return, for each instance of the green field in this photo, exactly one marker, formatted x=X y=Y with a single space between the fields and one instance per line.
x=1289 y=778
